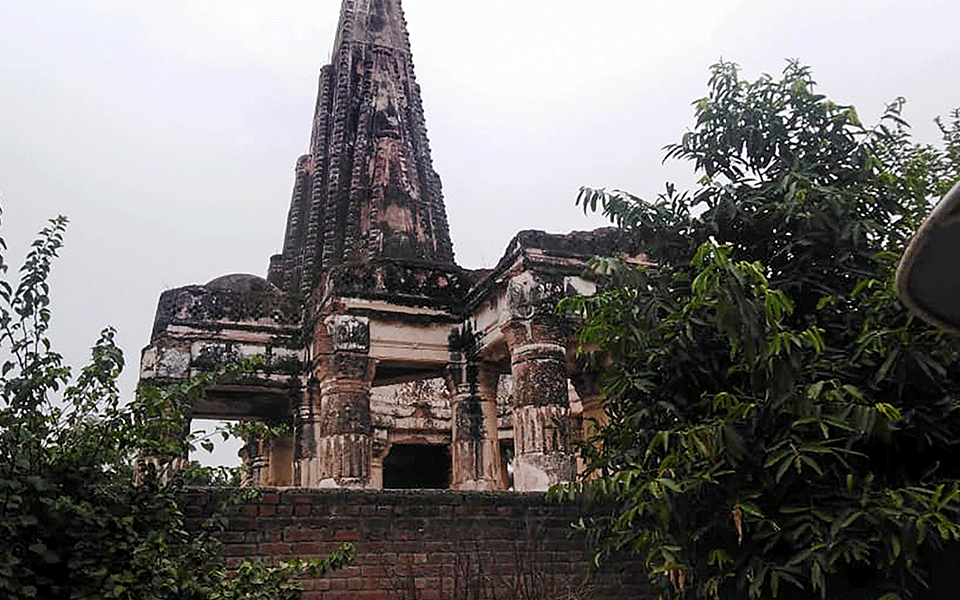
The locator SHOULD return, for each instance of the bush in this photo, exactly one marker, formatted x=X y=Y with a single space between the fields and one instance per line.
x=779 y=423
x=74 y=525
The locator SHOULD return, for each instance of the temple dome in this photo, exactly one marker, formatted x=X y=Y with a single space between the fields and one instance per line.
x=242 y=283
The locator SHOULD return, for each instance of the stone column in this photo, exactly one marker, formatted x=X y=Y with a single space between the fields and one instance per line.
x=594 y=416
x=537 y=342
x=475 y=449
x=381 y=447
x=588 y=386
x=279 y=453
x=253 y=458
x=306 y=429
x=269 y=461
x=336 y=430
x=166 y=362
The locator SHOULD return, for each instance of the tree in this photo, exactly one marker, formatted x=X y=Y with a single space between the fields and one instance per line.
x=72 y=521
x=779 y=423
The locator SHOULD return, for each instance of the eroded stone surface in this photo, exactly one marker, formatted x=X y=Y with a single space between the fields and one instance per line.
x=367 y=334
x=367 y=189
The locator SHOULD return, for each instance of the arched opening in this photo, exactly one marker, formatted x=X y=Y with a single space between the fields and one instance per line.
x=417 y=466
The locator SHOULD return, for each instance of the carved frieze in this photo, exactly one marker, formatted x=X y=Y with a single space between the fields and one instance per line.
x=412 y=283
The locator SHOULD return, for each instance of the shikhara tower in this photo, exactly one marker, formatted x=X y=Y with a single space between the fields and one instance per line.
x=391 y=365
x=367 y=190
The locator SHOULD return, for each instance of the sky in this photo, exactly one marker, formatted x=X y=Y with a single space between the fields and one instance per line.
x=168 y=130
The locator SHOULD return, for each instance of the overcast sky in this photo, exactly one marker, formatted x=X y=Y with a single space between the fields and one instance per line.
x=168 y=130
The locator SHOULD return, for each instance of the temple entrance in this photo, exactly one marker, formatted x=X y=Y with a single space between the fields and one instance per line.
x=416 y=466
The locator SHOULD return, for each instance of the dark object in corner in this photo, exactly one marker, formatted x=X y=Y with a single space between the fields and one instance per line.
x=928 y=280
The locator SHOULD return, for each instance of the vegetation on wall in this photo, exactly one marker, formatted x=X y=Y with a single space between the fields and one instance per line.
x=780 y=425
x=73 y=523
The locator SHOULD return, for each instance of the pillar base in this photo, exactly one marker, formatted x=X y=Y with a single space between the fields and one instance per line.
x=476 y=466
x=538 y=471
x=542 y=456
x=342 y=461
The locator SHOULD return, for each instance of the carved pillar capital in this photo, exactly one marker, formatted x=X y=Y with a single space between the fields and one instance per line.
x=348 y=333
x=530 y=294
x=588 y=385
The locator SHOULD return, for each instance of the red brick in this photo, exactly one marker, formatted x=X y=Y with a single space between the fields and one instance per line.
x=346 y=536
x=296 y=534
x=416 y=544
x=274 y=549
x=309 y=548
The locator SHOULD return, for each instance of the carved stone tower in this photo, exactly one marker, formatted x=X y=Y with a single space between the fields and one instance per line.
x=367 y=189
x=365 y=297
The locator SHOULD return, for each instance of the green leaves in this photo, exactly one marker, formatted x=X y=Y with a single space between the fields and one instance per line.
x=73 y=522
x=778 y=423
x=257 y=581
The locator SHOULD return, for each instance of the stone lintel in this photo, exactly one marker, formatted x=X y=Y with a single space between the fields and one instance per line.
x=410 y=283
x=232 y=300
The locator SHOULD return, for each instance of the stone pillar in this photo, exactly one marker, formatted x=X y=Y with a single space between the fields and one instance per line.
x=269 y=462
x=537 y=342
x=279 y=455
x=594 y=415
x=475 y=448
x=306 y=428
x=588 y=386
x=381 y=447
x=166 y=362
x=255 y=462
x=336 y=438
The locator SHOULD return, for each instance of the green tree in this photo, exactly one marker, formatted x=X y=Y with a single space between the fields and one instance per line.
x=73 y=523
x=779 y=424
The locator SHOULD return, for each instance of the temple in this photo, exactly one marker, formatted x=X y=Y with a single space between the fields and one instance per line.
x=392 y=366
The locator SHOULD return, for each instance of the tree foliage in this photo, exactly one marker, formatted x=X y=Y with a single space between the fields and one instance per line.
x=73 y=523
x=779 y=423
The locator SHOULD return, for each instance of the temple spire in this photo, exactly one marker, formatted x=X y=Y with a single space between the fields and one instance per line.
x=367 y=189
x=377 y=22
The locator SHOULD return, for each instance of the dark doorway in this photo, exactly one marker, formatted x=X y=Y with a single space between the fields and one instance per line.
x=412 y=466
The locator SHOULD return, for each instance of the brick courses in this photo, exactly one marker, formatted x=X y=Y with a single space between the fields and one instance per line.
x=421 y=545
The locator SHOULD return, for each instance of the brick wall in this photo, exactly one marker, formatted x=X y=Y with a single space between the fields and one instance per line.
x=423 y=545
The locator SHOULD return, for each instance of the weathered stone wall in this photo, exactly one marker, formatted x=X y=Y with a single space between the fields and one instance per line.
x=423 y=545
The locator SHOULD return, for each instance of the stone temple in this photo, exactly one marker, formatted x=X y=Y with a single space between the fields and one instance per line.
x=393 y=366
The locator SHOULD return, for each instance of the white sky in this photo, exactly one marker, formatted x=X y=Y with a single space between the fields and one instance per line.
x=168 y=130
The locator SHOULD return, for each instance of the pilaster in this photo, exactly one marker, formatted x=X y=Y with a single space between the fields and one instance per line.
x=269 y=461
